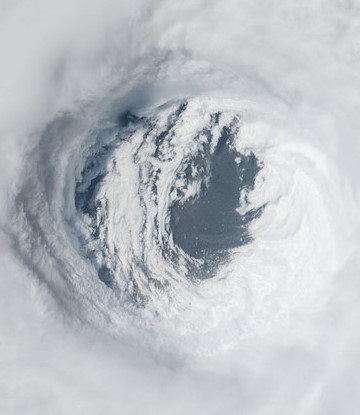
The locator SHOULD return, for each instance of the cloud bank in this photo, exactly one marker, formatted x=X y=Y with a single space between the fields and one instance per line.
x=133 y=96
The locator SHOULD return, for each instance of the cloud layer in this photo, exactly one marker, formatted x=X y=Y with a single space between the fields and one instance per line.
x=277 y=331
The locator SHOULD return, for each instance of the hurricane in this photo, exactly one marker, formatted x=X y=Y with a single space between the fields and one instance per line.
x=179 y=207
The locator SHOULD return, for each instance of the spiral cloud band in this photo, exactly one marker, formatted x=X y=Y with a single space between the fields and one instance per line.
x=179 y=207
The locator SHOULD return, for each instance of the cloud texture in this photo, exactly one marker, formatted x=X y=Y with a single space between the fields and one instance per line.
x=277 y=331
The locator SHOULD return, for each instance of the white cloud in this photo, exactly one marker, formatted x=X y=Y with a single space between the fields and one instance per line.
x=297 y=60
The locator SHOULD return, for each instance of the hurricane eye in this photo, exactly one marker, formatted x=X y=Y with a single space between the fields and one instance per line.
x=158 y=206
